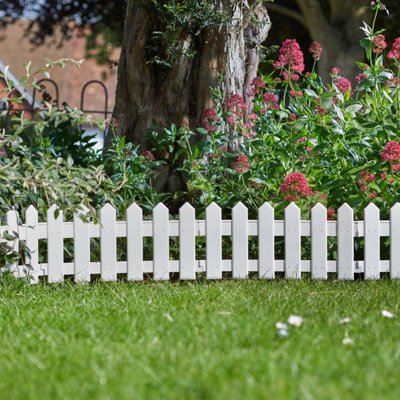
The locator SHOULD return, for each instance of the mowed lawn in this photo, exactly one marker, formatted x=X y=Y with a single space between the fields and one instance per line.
x=201 y=340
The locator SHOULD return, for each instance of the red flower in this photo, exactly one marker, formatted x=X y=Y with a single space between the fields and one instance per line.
x=242 y=163
x=237 y=105
x=360 y=77
x=391 y=151
x=290 y=55
x=335 y=72
x=302 y=139
x=293 y=117
x=296 y=93
x=394 y=53
x=257 y=84
x=331 y=213
x=270 y=98
x=148 y=156
x=380 y=44
x=209 y=117
x=295 y=184
x=316 y=50
x=343 y=84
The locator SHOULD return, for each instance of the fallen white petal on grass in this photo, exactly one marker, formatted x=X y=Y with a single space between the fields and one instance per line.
x=281 y=325
x=295 y=320
x=347 y=340
x=169 y=318
x=283 y=333
x=387 y=314
x=344 y=321
x=224 y=313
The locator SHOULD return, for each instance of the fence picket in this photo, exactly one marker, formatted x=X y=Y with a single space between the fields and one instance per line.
x=213 y=241
x=345 y=234
x=187 y=242
x=55 y=245
x=319 y=245
x=108 y=243
x=32 y=243
x=81 y=247
x=371 y=242
x=266 y=242
x=12 y=224
x=395 y=241
x=161 y=242
x=134 y=218
x=292 y=242
x=240 y=242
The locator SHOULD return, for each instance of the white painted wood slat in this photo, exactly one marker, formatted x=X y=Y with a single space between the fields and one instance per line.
x=319 y=245
x=134 y=218
x=187 y=242
x=161 y=242
x=345 y=243
x=108 y=243
x=32 y=243
x=395 y=241
x=81 y=247
x=266 y=242
x=55 y=245
x=240 y=242
x=371 y=242
x=12 y=230
x=213 y=241
x=292 y=242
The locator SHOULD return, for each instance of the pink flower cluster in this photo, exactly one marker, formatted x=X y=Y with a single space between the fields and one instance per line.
x=335 y=72
x=316 y=50
x=394 y=53
x=379 y=43
x=295 y=184
x=360 y=77
x=236 y=105
x=296 y=93
x=209 y=117
x=365 y=178
x=391 y=152
x=343 y=84
x=271 y=100
x=331 y=212
x=242 y=163
x=148 y=156
x=257 y=84
x=291 y=56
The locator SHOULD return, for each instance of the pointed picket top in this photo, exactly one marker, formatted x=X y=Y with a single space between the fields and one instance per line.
x=292 y=207
x=134 y=207
x=371 y=208
x=107 y=209
x=160 y=208
x=213 y=207
x=319 y=208
x=186 y=208
x=395 y=208
x=240 y=207
x=345 y=208
x=31 y=210
x=266 y=206
x=52 y=210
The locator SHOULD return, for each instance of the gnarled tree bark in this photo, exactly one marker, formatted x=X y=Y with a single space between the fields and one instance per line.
x=180 y=94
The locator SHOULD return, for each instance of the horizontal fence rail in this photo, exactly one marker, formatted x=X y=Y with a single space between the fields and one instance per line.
x=213 y=228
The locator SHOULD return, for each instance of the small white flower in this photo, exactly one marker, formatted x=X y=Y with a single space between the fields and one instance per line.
x=387 y=314
x=347 y=340
x=344 y=321
x=169 y=318
x=283 y=333
x=281 y=325
x=295 y=320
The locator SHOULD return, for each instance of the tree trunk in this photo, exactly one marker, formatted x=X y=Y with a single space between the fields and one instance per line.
x=179 y=94
x=339 y=33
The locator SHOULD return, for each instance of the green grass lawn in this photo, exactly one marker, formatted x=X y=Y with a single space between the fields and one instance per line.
x=203 y=340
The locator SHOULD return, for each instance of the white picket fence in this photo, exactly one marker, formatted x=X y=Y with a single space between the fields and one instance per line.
x=161 y=228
